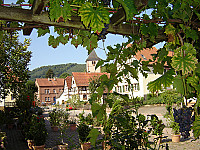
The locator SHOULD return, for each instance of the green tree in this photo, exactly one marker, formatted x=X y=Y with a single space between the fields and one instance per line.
x=14 y=61
x=49 y=74
x=64 y=75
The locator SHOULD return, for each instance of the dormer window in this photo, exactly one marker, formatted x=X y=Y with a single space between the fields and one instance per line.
x=143 y=57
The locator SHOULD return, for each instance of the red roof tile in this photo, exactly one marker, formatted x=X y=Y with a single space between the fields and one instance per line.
x=146 y=54
x=50 y=82
x=83 y=78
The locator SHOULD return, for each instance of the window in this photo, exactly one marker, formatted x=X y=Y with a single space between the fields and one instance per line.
x=126 y=88
x=136 y=86
x=48 y=98
x=122 y=88
x=54 y=99
x=84 y=88
x=12 y=97
x=45 y=99
x=84 y=97
x=118 y=89
x=93 y=63
x=54 y=91
x=47 y=91
x=143 y=57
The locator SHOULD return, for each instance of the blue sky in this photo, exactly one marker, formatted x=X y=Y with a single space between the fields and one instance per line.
x=43 y=55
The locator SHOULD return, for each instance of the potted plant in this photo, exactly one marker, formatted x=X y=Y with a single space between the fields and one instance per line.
x=83 y=132
x=157 y=128
x=38 y=131
x=63 y=126
x=54 y=120
x=176 y=133
x=87 y=120
x=72 y=124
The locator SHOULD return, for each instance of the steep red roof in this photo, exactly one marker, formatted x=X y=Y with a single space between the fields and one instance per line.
x=83 y=78
x=146 y=54
x=50 y=82
x=69 y=81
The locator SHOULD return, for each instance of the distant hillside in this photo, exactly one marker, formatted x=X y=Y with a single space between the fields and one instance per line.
x=57 y=69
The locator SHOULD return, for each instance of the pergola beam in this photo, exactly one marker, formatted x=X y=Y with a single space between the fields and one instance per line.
x=26 y=16
x=37 y=8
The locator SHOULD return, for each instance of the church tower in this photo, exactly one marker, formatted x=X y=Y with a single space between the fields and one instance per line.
x=91 y=62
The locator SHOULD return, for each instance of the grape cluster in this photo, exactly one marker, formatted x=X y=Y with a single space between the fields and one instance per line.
x=103 y=33
x=184 y=117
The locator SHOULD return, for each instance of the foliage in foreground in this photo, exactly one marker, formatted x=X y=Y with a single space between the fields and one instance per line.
x=14 y=61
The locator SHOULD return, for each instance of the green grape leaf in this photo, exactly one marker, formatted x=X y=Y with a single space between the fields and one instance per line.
x=42 y=32
x=90 y=43
x=20 y=1
x=162 y=53
x=30 y=1
x=150 y=29
x=54 y=9
x=53 y=42
x=145 y=65
x=76 y=41
x=194 y=81
x=129 y=8
x=191 y=34
x=94 y=133
x=170 y=31
x=183 y=60
x=100 y=63
x=162 y=82
x=197 y=68
x=63 y=39
x=198 y=14
x=66 y=11
x=95 y=109
x=94 y=17
x=144 y=29
x=158 y=68
x=196 y=127
x=151 y=3
x=133 y=71
x=178 y=84
x=188 y=49
x=1 y=35
x=98 y=111
x=153 y=29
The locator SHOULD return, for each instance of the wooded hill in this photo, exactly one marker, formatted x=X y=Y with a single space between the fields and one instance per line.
x=57 y=69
